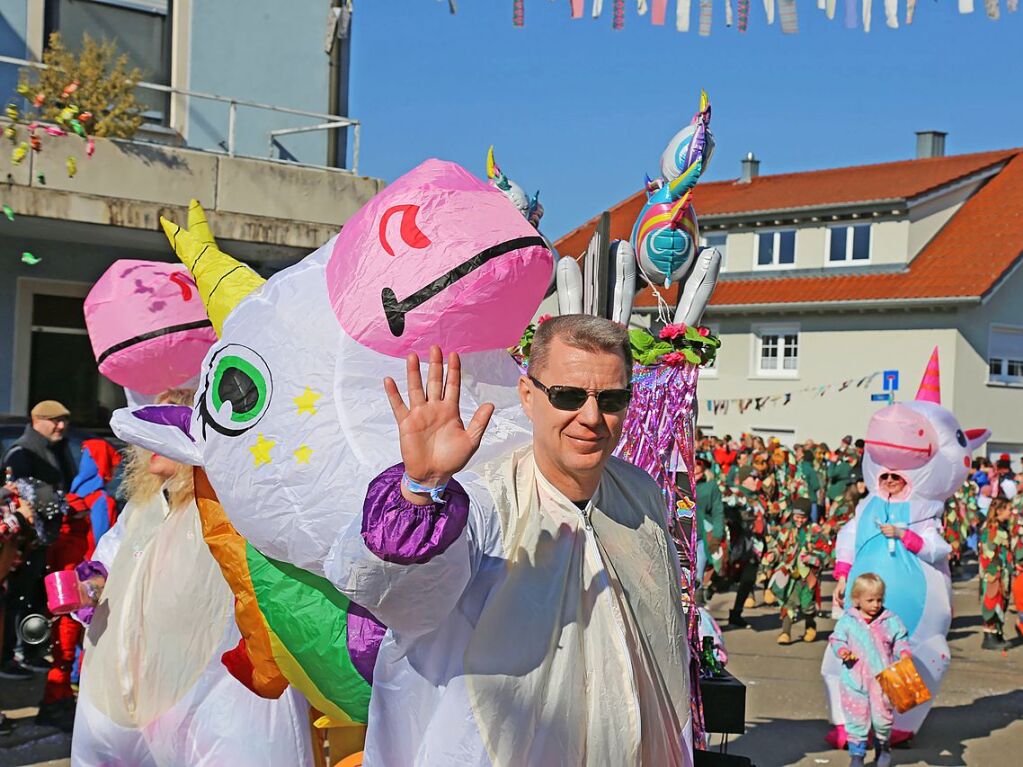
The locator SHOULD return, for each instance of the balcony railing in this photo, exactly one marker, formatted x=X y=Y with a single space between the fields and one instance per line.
x=327 y=122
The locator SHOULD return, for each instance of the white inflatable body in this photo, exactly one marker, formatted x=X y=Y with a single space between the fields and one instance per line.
x=923 y=443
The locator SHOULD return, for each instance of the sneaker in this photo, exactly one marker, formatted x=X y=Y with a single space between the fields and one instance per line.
x=7 y=725
x=784 y=638
x=735 y=619
x=14 y=670
x=769 y=597
x=809 y=635
x=992 y=641
x=60 y=714
x=883 y=754
x=749 y=603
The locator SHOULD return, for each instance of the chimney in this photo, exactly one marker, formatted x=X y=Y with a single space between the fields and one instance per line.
x=750 y=168
x=930 y=143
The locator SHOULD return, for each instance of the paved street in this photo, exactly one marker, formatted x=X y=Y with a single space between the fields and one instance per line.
x=977 y=721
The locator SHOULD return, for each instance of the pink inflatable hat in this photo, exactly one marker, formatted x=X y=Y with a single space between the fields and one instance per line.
x=930 y=384
x=437 y=257
x=148 y=326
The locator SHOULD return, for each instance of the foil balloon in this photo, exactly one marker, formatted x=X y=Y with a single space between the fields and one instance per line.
x=923 y=443
x=291 y=422
x=511 y=190
x=666 y=233
x=530 y=207
x=147 y=325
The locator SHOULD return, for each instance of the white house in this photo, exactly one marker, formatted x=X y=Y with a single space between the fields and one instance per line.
x=834 y=275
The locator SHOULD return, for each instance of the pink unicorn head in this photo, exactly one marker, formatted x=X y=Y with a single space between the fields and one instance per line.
x=921 y=441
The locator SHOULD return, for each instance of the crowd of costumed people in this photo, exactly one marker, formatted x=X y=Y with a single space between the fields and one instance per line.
x=270 y=473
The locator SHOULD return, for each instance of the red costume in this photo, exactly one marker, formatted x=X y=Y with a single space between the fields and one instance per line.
x=93 y=512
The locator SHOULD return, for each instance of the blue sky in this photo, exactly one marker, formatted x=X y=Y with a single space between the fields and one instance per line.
x=582 y=112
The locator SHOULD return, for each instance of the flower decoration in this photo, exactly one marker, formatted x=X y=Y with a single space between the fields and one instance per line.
x=675 y=345
x=672 y=331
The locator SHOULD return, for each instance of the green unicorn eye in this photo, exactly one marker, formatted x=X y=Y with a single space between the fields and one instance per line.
x=238 y=390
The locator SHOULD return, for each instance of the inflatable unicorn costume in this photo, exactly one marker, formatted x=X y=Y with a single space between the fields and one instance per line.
x=923 y=443
x=289 y=426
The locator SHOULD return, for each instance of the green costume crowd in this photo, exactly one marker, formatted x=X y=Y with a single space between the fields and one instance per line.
x=768 y=517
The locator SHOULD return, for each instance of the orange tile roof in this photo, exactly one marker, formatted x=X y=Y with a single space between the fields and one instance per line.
x=949 y=265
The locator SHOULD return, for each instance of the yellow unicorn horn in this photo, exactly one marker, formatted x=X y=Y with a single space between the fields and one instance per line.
x=223 y=281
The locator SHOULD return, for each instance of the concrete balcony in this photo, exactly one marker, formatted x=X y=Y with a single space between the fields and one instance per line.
x=269 y=212
x=265 y=212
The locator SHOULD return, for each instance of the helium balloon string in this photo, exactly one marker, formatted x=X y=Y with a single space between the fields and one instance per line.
x=618 y=15
x=519 y=13
x=743 y=15
x=664 y=313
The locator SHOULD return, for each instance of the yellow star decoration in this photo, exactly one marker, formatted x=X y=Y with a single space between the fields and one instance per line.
x=261 y=450
x=303 y=453
x=306 y=403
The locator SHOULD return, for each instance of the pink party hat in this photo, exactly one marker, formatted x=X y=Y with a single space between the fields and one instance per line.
x=930 y=384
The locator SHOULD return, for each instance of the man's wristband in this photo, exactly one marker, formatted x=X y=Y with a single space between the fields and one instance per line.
x=436 y=492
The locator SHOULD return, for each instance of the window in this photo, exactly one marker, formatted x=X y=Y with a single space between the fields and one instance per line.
x=848 y=244
x=54 y=356
x=776 y=249
x=141 y=29
x=1005 y=354
x=776 y=351
x=719 y=241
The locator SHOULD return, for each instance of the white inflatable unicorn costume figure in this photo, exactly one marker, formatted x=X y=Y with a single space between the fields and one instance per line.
x=290 y=421
x=923 y=443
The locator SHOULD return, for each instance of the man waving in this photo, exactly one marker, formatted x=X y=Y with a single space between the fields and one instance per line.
x=533 y=608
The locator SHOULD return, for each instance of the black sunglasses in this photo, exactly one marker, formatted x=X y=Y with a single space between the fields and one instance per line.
x=885 y=477
x=574 y=397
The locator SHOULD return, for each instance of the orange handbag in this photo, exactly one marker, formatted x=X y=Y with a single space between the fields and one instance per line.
x=903 y=686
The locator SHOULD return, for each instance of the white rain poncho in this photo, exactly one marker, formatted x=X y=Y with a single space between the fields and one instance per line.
x=153 y=689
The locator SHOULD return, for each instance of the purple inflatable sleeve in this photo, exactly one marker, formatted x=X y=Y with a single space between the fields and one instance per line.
x=403 y=533
x=90 y=568
x=364 y=636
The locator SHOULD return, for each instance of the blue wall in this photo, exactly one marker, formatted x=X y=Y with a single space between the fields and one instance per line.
x=13 y=15
x=261 y=50
x=265 y=51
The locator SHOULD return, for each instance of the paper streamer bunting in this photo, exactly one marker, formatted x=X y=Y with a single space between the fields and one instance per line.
x=706 y=12
x=789 y=20
x=682 y=15
x=857 y=13
x=721 y=406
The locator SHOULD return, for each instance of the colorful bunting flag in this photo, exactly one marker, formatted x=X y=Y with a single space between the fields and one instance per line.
x=720 y=406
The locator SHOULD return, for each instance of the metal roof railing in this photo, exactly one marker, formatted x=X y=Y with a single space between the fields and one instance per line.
x=328 y=122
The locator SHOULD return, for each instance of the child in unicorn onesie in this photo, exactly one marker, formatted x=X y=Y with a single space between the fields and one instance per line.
x=916 y=456
x=867 y=640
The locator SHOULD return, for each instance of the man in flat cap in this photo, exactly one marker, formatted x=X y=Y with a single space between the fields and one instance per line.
x=40 y=453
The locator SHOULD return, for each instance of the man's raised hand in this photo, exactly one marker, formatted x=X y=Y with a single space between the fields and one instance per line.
x=435 y=444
